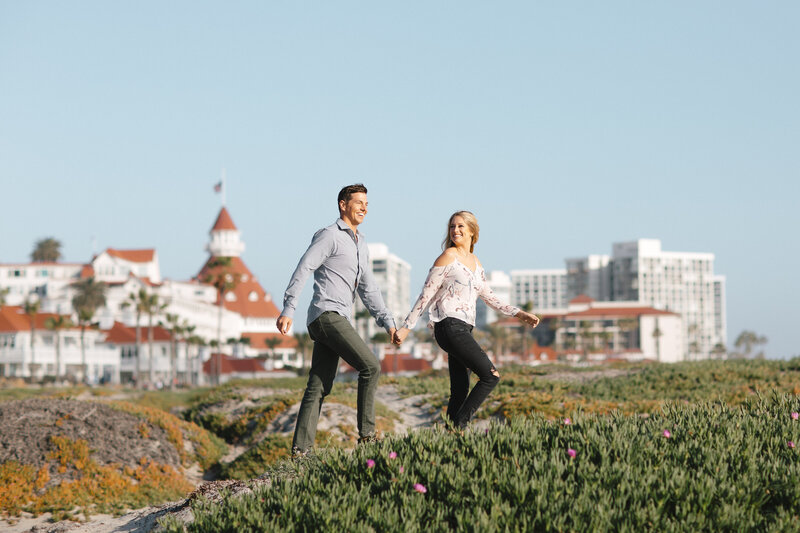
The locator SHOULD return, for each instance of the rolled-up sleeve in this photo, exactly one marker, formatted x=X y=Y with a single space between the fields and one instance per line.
x=321 y=248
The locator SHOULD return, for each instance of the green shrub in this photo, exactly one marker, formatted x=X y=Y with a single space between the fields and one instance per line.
x=257 y=459
x=720 y=468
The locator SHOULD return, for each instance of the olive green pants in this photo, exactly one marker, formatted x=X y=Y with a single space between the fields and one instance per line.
x=334 y=337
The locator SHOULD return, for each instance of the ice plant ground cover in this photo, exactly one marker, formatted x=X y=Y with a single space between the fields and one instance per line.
x=557 y=391
x=722 y=468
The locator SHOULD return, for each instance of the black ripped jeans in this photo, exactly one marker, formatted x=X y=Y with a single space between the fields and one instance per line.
x=464 y=354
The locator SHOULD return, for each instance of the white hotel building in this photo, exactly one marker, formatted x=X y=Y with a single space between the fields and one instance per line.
x=639 y=275
x=248 y=310
x=545 y=289
x=681 y=282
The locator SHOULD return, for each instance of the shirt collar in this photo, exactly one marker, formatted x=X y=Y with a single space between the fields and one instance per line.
x=343 y=226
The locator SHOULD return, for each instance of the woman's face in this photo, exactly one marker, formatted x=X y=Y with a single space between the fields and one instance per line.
x=459 y=232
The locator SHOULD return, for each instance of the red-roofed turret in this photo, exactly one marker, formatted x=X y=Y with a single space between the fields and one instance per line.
x=224 y=221
x=225 y=238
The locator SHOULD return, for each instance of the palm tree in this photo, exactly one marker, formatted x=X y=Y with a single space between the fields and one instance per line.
x=523 y=331
x=272 y=343
x=554 y=324
x=3 y=293
x=188 y=333
x=498 y=336
x=605 y=337
x=718 y=350
x=175 y=331
x=657 y=333
x=47 y=250
x=586 y=335
x=152 y=308
x=694 y=349
x=137 y=301
x=222 y=277
x=694 y=345
x=747 y=340
x=32 y=309
x=196 y=341
x=304 y=342
x=626 y=326
x=90 y=296
x=244 y=341
x=56 y=324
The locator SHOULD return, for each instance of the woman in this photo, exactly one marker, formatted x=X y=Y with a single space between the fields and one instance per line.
x=454 y=283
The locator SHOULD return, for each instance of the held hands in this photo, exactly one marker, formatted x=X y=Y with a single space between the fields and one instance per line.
x=284 y=323
x=399 y=336
x=528 y=318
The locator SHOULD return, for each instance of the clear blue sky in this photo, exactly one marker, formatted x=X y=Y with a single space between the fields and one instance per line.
x=565 y=126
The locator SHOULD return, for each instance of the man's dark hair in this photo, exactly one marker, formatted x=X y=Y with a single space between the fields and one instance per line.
x=346 y=192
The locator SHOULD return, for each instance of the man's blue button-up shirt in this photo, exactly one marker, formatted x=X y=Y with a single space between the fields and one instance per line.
x=339 y=259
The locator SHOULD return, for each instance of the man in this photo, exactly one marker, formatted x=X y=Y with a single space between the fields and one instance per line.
x=339 y=259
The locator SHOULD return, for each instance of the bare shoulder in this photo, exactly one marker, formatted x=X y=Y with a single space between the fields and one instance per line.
x=477 y=261
x=447 y=257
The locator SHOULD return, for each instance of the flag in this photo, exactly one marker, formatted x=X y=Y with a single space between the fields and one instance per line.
x=218 y=187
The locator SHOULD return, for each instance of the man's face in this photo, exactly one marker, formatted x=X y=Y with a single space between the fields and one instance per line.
x=355 y=209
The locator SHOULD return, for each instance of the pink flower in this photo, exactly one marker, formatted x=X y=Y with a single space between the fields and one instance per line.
x=370 y=463
x=567 y=421
x=419 y=487
x=790 y=444
x=572 y=453
x=795 y=416
x=392 y=455
x=402 y=469
x=666 y=434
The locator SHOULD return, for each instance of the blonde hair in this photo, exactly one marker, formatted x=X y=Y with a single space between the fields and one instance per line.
x=472 y=224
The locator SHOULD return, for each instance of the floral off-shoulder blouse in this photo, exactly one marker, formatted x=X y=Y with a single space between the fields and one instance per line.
x=452 y=291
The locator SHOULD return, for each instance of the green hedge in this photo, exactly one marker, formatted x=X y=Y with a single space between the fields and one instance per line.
x=720 y=469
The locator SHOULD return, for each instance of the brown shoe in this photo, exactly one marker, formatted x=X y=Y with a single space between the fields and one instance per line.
x=369 y=439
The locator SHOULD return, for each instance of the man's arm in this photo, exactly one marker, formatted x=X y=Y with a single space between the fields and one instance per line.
x=321 y=248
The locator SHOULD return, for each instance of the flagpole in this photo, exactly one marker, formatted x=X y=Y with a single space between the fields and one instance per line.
x=223 y=187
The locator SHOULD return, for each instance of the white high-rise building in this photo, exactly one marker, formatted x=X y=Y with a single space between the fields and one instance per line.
x=500 y=284
x=393 y=276
x=682 y=282
x=546 y=289
x=720 y=316
x=589 y=276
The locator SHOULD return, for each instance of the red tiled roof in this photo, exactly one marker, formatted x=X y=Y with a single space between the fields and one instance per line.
x=134 y=256
x=13 y=318
x=403 y=362
x=257 y=340
x=536 y=351
x=581 y=299
x=122 y=334
x=259 y=307
x=224 y=221
x=231 y=365
x=617 y=312
x=86 y=272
